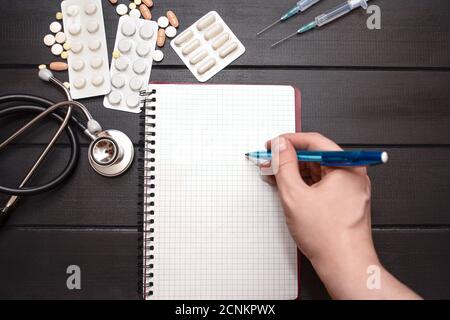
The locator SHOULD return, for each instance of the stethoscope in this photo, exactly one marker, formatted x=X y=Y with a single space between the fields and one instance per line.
x=110 y=154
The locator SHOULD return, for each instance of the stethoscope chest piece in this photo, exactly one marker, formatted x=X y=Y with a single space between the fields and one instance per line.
x=111 y=153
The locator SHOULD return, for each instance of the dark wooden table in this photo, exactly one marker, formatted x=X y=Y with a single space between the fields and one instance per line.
x=384 y=89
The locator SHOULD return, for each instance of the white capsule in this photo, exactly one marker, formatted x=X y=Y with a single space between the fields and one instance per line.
x=227 y=49
x=57 y=49
x=190 y=47
x=163 y=22
x=220 y=41
x=170 y=32
x=198 y=56
x=184 y=37
x=213 y=31
x=206 y=65
x=49 y=40
x=206 y=22
x=55 y=27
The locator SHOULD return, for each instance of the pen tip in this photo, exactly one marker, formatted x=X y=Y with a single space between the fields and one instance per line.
x=247 y=154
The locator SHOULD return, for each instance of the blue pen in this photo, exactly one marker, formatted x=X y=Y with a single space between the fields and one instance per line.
x=331 y=158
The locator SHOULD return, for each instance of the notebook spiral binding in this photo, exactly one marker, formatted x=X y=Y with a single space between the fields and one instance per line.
x=146 y=198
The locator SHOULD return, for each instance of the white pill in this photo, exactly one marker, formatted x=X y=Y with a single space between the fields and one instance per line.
x=206 y=65
x=140 y=66
x=79 y=82
x=114 y=97
x=198 y=56
x=55 y=27
x=72 y=11
x=220 y=41
x=74 y=29
x=77 y=64
x=146 y=32
x=94 y=44
x=184 y=37
x=97 y=80
x=121 y=9
x=128 y=29
x=227 y=49
x=49 y=40
x=143 y=49
x=206 y=22
x=96 y=62
x=213 y=31
x=117 y=81
x=163 y=22
x=90 y=9
x=158 y=55
x=92 y=26
x=136 y=84
x=171 y=31
x=121 y=63
x=190 y=47
x=57 y=49
x=135 y=13
x=124 y=45
x=60 y=37
x=76 y=47
x=133 y=100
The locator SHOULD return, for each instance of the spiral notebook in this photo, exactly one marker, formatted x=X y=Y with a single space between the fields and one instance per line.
x=212 y=228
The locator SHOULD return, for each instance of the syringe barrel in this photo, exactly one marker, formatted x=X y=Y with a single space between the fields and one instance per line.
x=339 y=11
x=305 y=4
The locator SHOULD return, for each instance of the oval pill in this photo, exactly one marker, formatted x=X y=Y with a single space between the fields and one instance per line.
x=190 y=47
x=184 y=37
x=148 y=3
x=118 y=81
x=173 y=19
x=57 y=49
x=205 y=66
x=58 y=66
x=227 y=49
x=146 y=32
x=145 y=11
x=213 y=31
x=198 y=56
x=55 y=27
x=49 y=40
x=114 y=97
x=163 y=22
x=171 y=31
x=220 y=41
x=161 y=39
x=206 y=22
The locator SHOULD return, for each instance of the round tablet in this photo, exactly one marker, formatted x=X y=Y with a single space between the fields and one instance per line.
x=136 y=84
x=163 y=22
x=76 y=47
x=135 y=13
x=60 y=37
x=90 y=9
x=124 y=45
x=170 y=31
x=94 y=44
x=158 y=55
x=79 y=82
x=121 y=64
x=92 y=26
x=128 y=28
x=75 y=29
x=66 y=46
x=133 y=100
x=64 y=55
x=143 y=49
x=96 y=62
x=97 y=80
x=118 y=81
x=121 y=9
x=57 y=49
x=140 y=66
x=72 y=11
x=132 y=6
x=114 y=97
x=77 y=64
x=55 y=27
x=49 y=40
x=146 y=32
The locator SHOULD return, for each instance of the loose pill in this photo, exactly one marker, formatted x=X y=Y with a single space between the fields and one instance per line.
x=77 y=64
x=171 y=31
x=198 y=56
x=133 y=100
x=213 y=31
x=148 y=3
x=163 y=22
x=116 y=54
x=60 y=37
x=94 y=44
x=90 y=9
x=42 y=66
x=132 y=6
x=66 y=46
x=158 y=55
x=227 y=49
x=173 y=19
x=55 y=27
x=184 y=37
x=190 y=47
x=118 y=81
x=98 y=80
x=59 y=16
x=49 y=40
x=121 y=9
x=220 y=41
x=114 y=97
x=205 y=66
x=161 y=39
x=135 y=13
x=79 y=82
x=206 y=22
x=57 y=49
x=137 y=2
x=64 y=55
x=146 y=31
x=145 y=11
x=67 y=85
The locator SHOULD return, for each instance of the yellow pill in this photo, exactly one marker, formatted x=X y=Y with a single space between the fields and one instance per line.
x=132 y=6
x=64 y=54
x=137 y=2
x=67 y=85
x=42 y=66
x=59 y=16
x=116 y=54
x=66 y=46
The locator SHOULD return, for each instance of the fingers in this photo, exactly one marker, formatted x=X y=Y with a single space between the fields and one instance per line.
x=310 y=141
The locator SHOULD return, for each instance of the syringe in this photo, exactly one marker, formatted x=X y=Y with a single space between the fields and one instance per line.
x=327 y=17
x=301 y=5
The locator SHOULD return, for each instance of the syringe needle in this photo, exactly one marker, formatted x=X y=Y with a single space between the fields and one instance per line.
x=282 y=40
x=268 y=27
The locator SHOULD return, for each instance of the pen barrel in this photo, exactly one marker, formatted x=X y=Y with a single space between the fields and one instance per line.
x=352 y=157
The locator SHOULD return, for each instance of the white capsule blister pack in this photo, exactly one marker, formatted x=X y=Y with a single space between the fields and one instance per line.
x=207 y=46
x=88 y=58
x=130 y=71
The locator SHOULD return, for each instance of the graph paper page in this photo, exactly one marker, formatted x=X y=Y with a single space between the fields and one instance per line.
x=219 y=230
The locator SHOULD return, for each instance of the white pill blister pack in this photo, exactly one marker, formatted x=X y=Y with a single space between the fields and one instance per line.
x=207 y=46
x=88 y=58
x=131 y=68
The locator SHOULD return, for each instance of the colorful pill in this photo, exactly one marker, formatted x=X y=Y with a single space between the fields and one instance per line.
x=145 y=11
x=148 y=3
x=161 y=39
x=173 y=19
